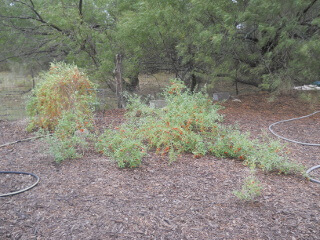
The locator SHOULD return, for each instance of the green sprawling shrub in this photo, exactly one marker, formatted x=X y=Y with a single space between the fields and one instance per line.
x=267 y=154
x=251 y=188
x=63 y=88
x=63 y=104
x=123 y=146
x=71 y=137
x=180 y=125
x=189 y=123
x=171 y=130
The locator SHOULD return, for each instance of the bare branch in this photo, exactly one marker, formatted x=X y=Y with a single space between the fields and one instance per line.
x=37 y=18
x=27 y=54
x=80 y=8
x=302 y=14
x=27 y=30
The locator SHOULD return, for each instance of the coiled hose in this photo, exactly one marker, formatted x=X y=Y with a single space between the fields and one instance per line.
x=298 y=142
x=25 y=173
x=22 y=190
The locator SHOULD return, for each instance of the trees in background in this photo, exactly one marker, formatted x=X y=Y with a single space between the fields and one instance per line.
x=270 y=44
x=43 y=31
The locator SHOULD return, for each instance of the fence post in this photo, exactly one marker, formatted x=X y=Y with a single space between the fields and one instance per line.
x=118 y=79
x=33 y=81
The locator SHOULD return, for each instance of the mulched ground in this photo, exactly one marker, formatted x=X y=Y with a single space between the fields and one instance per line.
x=90 y=198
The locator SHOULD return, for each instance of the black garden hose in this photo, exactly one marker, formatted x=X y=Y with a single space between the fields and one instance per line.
x=25 y=173
x=298 y=142
x=22 y=190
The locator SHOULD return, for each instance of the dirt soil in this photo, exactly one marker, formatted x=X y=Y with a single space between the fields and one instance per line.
x=90 y=198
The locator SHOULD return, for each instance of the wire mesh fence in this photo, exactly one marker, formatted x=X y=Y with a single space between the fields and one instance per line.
x=13 y=102
x=15 y=90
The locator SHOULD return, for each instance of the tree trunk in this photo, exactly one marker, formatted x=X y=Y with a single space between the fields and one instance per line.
x=118 y=79
x=134 y=81
x=33 y=81
x=193 y=82
x=236 y=81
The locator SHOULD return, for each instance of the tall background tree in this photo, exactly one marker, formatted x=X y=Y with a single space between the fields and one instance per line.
x=43 y=31
x=269 y=44
x=263 y=43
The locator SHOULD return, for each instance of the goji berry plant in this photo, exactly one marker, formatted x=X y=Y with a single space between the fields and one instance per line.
x=70 y=138
x=266 y=153
x=63 y=104
x=178 y=127
x=63 y=88
x=190 y=123
x=123 y=146
x=251 y=188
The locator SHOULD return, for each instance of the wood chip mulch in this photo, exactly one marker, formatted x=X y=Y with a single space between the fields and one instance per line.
x=90 y=198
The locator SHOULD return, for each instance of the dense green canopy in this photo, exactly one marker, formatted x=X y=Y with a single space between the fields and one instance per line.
x=271 y=44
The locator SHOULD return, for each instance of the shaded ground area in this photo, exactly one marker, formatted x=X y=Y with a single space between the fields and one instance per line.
x=91 y=198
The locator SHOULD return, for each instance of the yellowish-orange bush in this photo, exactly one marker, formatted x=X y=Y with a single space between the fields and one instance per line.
x=64 y=88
